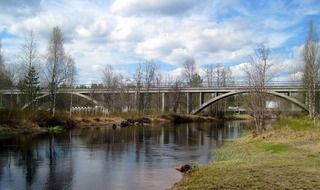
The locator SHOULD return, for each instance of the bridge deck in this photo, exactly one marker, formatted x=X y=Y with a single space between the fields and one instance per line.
x=280 y=89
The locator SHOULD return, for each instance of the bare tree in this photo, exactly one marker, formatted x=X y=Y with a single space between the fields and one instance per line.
x=258 y=74
x=4 y=78
x=2 y=68
x=71 y=80
x=29 y=53
x=158 y=81
x=29 y=58
x=218 y=75
x=138 y=78
x=58 y=68
x=149 y=80
x=176 y=94
x=108 y=74
x=311 y=60
x=189 y=69
x=209 y=74
x=114 y=82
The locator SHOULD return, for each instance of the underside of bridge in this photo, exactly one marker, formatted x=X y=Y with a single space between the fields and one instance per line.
x=233 y=93
x=88 y=98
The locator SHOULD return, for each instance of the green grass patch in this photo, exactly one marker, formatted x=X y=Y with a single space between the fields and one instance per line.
x=56 y=129
x=11 y=133
x=228 y=152
x=276 y=148
x=299 y=123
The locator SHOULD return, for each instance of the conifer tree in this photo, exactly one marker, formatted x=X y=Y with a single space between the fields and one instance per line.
x=31 y=85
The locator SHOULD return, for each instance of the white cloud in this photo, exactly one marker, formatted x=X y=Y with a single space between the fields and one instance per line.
x=138 y=7
x=169 y=31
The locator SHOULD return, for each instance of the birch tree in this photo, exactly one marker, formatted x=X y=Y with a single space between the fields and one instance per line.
x=149 y=80
x=30 y=59
x=4 y=78
x=310 y=57
x=258 y=74
x=58 y=66
x=138 y=78
x=189 y=69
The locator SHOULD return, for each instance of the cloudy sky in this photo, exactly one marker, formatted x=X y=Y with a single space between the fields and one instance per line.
x=125 y=32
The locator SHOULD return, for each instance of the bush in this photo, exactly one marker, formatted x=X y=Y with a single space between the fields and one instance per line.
x=11 y=116
x=175 y=118
x=44 y=119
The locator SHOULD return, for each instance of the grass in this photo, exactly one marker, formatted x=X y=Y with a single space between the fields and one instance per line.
x=300 y=123
x=6 y=132
x=56 y=130
x=285 y=157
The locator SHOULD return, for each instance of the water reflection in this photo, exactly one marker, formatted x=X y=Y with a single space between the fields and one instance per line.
x=129 y=158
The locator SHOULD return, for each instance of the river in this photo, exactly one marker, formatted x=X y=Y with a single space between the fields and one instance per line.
x=103 y=158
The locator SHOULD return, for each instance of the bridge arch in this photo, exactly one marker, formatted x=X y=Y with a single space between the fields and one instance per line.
x=47 y=94
x=232 y=93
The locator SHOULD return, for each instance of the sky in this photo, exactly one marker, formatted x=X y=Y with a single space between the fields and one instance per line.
x=124 y=33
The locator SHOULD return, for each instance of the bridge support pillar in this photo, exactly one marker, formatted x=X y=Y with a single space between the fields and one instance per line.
x=163 y=103
x=188 y=102
x=201 y=96
x=136 y=101
x=18 y=99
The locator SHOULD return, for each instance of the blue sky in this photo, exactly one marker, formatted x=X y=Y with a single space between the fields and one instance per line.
x=125 y=32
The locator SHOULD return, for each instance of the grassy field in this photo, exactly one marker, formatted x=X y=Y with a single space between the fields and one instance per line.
x=285 y=157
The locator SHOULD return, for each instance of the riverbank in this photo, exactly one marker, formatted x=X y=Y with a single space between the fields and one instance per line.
x=41 y=122
x=7 y=131
x=285 y=157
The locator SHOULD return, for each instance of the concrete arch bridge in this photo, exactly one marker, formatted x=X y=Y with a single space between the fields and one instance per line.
x=206 y=95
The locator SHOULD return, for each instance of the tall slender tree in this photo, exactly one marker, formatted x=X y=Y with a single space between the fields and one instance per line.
x=258 y=74
x=4 y=78
x=58 y=66
x=138 y=77
x=189 y=69
x=311 y=60
x=30 y=84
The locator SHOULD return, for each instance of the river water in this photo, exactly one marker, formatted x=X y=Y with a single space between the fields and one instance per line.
x=103 y=158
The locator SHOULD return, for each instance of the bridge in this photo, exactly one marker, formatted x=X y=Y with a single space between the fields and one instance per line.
x=283 y=90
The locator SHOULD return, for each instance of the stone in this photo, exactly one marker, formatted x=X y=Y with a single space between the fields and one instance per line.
x=183 y=168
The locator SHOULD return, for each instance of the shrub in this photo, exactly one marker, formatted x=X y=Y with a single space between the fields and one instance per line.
x=11 y=116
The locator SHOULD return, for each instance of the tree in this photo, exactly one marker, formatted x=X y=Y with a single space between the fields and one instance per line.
x=2 y=68
x=176 y=95
x=196 y=80
x=189 y=69
x=258 y=74
x=138 y=78
x=29 y=52
x=30 y=85
x=311 y=60
x=4 y=78
x=30 y=58
x=71 y=80
x=217 y=75
x=108 y=76
x=113 y=81
x=149 y=80
x=58 y=66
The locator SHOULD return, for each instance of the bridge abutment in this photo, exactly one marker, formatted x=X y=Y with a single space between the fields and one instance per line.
x=189 y=102
x=163 y=103
x=201 y=98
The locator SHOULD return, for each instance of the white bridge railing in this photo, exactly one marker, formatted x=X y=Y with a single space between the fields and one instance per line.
x=163 y=86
